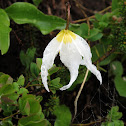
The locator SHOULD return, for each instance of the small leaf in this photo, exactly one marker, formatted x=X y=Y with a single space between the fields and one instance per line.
x=34 y=70
x=96 y=37
x=53 y=70
x=108 y=60
x=63 y=116
x=39 y=62
x=98 y=16
x=5 y=79
x=120 y=84
x=83 y=30
x=23 y=91
x=116 y=68
x=28 y=57
x=21 y=80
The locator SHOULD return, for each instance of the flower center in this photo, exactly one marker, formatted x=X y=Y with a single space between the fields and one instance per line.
x=66 y=36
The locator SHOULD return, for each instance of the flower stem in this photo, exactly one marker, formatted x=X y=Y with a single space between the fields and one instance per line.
x=68 y=14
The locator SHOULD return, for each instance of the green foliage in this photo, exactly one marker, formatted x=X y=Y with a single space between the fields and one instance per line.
x=4 y=32
x=28 y=57
x=115 y=4
x=63 y=116
x=94 y=34
x=23 y=13
x=113 y=118
x=116 y=69
x=52 y=103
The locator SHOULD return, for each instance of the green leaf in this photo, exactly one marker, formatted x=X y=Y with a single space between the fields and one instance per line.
x=108 y=60
x=23 y=91
x=34 y=70
x=4 y=32
x=6 y=123
x=115 y=4
x=37 y=2
x=29 y=105
x=114 y=114
x=7 y=89
x=82 y=30
x=116 y=68
x=120 y=84
x=63 y=116
x=23 y=13
x=34 y=120
x=53 y=69
x=96 y=37
x=5 y=79
x=98 y=16
x=21 y=80
x=28 y=57
x=55 y=83
x=39 y=62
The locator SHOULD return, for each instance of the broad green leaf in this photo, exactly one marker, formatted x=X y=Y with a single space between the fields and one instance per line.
x=63 y=116
x=120 y=84
x=7 y=89
x=37 y=2
x=39 y=62
x=116 y=68
x=4 y=32
x=21 y=80
x=23 y=13
x=34 y=70
x=5 y=79
x=29 y=105
x=33 y=120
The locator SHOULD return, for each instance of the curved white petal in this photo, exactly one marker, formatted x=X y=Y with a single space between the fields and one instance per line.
x=49 y=55
x=84 y=50
x=71 y=58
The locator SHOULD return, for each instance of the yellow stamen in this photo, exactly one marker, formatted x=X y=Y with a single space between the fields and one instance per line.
x=66 y=36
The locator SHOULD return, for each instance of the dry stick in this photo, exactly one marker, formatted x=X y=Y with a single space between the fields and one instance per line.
x=93 y=16
x=68 y=14
x=78 y=95
x=82 y=85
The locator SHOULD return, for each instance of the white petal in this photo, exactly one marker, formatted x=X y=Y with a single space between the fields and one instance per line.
x=49 y=55
x=71 y=59
x=85 y=51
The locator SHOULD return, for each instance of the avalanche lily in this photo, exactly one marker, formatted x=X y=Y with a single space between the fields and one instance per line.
x=74 y=51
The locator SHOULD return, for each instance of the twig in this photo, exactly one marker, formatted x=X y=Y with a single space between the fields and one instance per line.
x=93 y=16
x=104 y=56
x=68 y=15
x=88 y=124
x=78 y=95
x=10 y=116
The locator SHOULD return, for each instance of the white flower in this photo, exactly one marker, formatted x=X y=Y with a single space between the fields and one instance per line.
x=74 y=51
